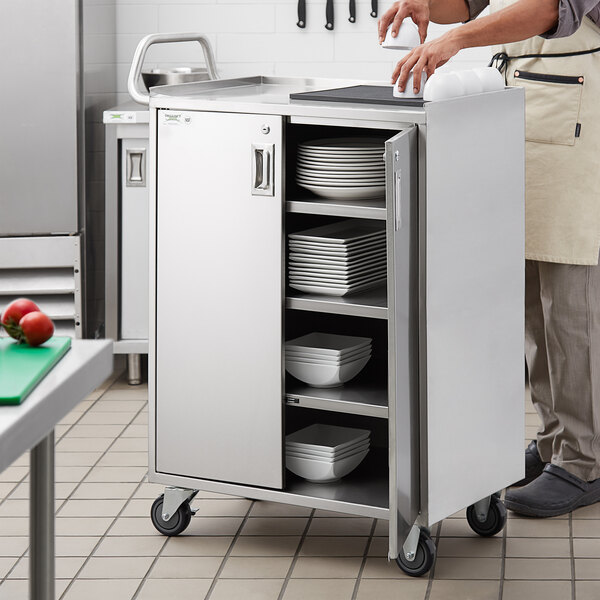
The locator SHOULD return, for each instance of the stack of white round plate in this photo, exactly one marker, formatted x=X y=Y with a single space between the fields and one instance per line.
x=342 y=168
x=338 y=259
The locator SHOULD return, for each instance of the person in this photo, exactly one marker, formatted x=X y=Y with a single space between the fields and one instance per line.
x=552 y=49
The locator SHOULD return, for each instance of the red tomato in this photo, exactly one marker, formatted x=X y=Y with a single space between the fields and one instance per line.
x=36 y=328
x=14 y=312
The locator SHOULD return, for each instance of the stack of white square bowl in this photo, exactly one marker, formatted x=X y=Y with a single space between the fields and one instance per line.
x=338 y=259
x=326 y=359
x=326 y=453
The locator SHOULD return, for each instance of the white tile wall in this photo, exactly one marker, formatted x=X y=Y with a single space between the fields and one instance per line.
x=261 y=37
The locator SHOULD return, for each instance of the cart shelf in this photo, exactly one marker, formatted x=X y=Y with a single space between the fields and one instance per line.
x=373 y=208
x=370 y=303
x=368 y=398
x=365 y=491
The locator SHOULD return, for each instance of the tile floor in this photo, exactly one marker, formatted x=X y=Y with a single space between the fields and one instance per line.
x=236 y=549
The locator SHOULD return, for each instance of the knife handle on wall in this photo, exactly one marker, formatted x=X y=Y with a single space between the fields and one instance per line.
x=329 y=15
x=352 y=17
x=374 y=8
x=301 y=14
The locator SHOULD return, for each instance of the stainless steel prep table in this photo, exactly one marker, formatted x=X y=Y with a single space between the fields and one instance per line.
x=446 y=401
x=30 y=426
x=126 y=231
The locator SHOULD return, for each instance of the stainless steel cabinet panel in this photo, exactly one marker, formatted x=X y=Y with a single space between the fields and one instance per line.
x=401 y=200
x=134 y=240
x=474 y=278
x=219 y=299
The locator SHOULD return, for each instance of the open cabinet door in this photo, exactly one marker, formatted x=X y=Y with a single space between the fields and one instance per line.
x=219 y=297
x=402 y=222
x=474 y=275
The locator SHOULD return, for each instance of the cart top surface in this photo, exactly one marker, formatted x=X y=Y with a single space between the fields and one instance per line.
x=271 y=95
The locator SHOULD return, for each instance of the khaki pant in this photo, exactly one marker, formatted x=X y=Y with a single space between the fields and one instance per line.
x=562 y=347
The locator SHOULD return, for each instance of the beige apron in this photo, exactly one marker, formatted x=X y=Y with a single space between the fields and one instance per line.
x=562 y=208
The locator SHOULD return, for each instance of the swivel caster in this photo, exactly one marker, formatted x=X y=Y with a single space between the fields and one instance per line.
x=424 y=557
x=490 y=523
x=176 y=524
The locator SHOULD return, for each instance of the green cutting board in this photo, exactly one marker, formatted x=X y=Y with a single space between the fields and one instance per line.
x=22 y=366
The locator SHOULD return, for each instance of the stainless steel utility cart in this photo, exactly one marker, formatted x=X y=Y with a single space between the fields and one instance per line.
x=443 y=393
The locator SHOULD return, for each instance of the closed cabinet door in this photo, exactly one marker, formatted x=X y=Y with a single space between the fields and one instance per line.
x=219 y=297
x=134 y=239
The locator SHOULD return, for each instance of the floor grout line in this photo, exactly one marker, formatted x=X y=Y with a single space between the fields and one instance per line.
x=152 y=565
x=229 y=551
x=503 y=563
x=572 y=557
x=431 y=573
x=364 y=560
x=288 y=575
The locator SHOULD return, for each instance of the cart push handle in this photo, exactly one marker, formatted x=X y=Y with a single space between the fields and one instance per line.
x=140 y=95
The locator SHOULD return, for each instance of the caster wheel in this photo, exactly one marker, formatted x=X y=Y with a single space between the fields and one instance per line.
x=176 y=524
x=423 y=560
x=496 y=518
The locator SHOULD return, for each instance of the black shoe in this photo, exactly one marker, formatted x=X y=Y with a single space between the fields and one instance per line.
x=533 y=465
x=554 y=492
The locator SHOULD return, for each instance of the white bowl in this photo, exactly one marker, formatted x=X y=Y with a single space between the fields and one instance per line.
x=326 y=438
x=324 y=472
x=317 y=375
x=491 y=78
x=408 y=90
x=472 y=83
x=442 y=86
x=330 y=457
x=407 y=38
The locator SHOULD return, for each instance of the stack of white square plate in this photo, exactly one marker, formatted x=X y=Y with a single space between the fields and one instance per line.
x=351 y=168
x=326 y=359
x=325 y=453
x=338 y=259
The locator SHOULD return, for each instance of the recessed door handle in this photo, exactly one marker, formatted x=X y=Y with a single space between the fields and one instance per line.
x=136 y=167
x=262 y=170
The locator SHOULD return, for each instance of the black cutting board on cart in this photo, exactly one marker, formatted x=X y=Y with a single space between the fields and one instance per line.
x=365 y=94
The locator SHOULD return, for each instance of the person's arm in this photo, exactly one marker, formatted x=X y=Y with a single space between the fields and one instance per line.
x=421 y=12
x=519 y=21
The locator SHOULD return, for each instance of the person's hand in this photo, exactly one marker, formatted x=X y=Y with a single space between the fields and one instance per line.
x=418 y=10
x=427 y=57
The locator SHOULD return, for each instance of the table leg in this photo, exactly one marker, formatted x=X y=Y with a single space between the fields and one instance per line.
x=41 y=521
x=134 y=369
